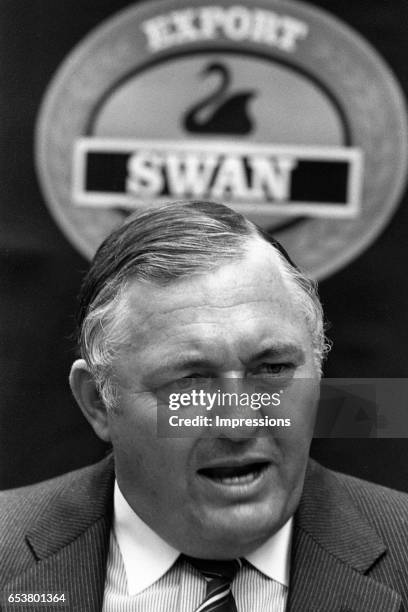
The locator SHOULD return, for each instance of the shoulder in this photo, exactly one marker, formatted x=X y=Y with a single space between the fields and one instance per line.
x=384 y=509
x=71 y=499
x=21 y=507
x=371 y=498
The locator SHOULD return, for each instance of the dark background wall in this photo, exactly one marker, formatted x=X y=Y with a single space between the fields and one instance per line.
x=42 y=432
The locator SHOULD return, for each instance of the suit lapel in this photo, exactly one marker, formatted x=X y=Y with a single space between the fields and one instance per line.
x=70 y=542
x=77 y=571
x=333 y=548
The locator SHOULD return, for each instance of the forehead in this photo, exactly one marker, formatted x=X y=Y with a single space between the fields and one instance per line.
x=242 y=299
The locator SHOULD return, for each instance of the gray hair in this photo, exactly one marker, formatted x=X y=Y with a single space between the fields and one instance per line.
x=159 y=246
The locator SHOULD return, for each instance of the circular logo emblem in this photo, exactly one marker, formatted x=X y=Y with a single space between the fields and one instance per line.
x=271 y=106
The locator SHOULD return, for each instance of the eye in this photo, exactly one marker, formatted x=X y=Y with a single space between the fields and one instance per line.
x=189 y=381
x=183 y=383
x=271 y=369
x=197 y=375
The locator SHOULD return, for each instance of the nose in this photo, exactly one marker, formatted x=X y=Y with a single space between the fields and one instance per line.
x=232 y=375
x=233 y=415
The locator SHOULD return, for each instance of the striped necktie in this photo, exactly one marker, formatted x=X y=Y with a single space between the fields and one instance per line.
x=219 y=576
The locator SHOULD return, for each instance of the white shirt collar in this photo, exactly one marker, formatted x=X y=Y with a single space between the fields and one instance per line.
x=273 y=557
x=147 y=557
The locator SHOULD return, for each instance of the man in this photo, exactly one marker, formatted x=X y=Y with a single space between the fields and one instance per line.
x=213 y=517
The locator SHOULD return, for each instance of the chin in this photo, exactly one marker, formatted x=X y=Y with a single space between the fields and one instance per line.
x=238 y=536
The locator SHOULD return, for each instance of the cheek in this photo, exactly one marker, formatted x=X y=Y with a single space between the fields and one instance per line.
x=135 y=416
x=148 y=468
x=154 y=462
x=294 y=441
x=299 y=402
x=287 y=488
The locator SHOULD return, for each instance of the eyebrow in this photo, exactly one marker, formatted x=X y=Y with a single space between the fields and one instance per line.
x=277 y=350
x=273 y=351
x=182 y=364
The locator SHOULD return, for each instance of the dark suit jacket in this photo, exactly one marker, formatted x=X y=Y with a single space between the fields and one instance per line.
x=350 y=547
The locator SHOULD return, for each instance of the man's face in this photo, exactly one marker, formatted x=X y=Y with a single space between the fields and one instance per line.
x=219 y=495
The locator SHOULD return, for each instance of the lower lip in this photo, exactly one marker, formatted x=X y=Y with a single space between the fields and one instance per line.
x=233 y=488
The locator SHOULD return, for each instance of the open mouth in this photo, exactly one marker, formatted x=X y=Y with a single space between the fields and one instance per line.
x=235 y=474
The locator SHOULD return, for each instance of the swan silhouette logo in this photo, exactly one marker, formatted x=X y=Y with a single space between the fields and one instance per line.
x=221 y=112
x=274 y=107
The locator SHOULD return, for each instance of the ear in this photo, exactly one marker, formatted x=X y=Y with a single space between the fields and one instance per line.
x=87 y=396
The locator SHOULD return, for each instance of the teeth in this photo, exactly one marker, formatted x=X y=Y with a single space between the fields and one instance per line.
x=235 y=474
x=238 y=479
